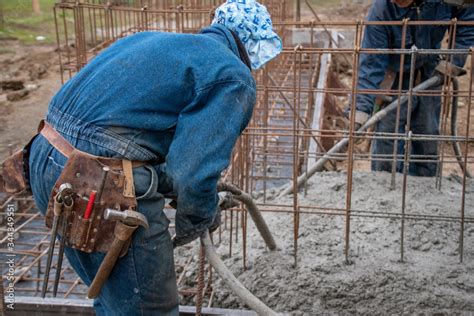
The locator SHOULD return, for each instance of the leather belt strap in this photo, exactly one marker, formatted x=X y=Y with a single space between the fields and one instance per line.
x=66 y=149
x=128 y=187
x=55 y=139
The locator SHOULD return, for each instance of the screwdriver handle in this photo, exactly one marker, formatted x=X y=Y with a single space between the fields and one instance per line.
x=90 y=204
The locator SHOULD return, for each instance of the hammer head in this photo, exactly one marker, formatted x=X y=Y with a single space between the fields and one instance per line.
x=128 y=217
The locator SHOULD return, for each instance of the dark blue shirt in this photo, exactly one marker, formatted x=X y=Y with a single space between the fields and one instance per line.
x=186 y=97
x=374 y=66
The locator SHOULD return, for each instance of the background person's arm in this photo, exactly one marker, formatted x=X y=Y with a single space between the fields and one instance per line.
x=464 y=34
x=372 y=67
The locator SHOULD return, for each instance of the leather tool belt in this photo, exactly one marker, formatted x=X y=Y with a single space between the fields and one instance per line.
x=14 y=175
x=85 y=173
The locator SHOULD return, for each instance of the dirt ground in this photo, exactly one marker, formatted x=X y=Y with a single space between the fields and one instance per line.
x=431 y=280
x=37 y=67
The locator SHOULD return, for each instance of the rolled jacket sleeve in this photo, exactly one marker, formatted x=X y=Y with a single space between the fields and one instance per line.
x=205 y=135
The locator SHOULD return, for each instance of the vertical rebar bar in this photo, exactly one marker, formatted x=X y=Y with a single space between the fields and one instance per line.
x=397 y=119
x=445 y=105
x=200 y=281
x=406 y=161
x=296 y=66
x=58 y=44
x=466 y=150
x=350 y=151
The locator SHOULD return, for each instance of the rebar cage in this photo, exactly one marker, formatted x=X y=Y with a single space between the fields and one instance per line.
x=298 y=118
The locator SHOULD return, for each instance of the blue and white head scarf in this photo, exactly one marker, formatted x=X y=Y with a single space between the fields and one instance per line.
x=251 y=22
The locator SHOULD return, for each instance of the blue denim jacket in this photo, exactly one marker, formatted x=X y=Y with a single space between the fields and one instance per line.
x=185 y=97
x=374 y=66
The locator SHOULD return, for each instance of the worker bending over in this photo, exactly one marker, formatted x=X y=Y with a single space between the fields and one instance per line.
x=381 y=71
x=155 y=115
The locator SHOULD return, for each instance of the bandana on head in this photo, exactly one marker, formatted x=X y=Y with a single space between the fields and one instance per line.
x=251 y=22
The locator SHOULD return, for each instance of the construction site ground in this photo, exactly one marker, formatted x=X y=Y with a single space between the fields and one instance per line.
x=430 y=280
x=36 y=64
x=37 y=67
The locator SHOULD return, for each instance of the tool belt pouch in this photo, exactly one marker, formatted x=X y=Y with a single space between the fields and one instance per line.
x=85 y=173
x=13 y=179
x=14 y=175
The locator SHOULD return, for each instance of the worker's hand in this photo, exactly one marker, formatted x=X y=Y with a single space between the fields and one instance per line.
x=360 y=119
x=445 y=68
x=194 y=232
x=226 y=200
x=187 y=229
x=197 y=232
x=217 y=221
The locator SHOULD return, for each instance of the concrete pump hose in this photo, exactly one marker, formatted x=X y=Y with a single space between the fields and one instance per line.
x=341 y=145
x=253 y=210
x=238 y=288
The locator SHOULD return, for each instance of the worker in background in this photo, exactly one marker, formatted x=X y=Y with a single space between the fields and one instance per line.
x=381 y=71
x=182 y=98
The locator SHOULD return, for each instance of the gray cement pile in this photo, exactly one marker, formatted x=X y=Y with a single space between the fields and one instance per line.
x=430 y=280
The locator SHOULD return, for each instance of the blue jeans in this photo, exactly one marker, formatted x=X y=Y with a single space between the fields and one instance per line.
x=143 y=282
x=425 y=117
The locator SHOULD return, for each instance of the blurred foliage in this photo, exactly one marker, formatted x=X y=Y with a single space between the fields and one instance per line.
x=17 y=20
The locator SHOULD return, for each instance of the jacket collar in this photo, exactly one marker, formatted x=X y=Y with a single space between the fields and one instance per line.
x=401 y=13
x=223 y=35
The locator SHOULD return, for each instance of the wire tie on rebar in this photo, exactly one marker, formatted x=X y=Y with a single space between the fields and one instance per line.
x=357 y=49
x=298 y=47
x=145 y=7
